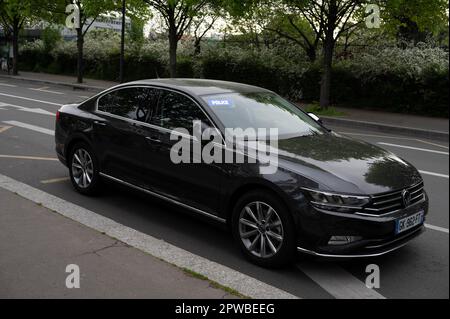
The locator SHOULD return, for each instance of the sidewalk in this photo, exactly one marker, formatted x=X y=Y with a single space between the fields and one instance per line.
x=36 y=245
x=396 y=119
x=393 y=123
x=71 y=81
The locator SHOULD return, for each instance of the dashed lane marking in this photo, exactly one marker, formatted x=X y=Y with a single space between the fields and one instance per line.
x=29 y=158
x=437 y=228
x=413 y=148
x=433 y=174
x=396 y=138
x=29 y=99
x=30 y=127
x=338 y=282
x=56 y=180
x=46 y=90
x=8 y=85
x=4 y=128
x=26 y=109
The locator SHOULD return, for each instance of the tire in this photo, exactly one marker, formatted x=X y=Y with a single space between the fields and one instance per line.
x=279 y=248
x=84 y=169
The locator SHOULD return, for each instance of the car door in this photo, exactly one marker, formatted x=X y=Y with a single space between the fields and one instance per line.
x=195 y=184
x=119 y=135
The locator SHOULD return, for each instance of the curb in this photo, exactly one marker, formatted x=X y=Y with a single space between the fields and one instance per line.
x=183 y=259
x=75 y=86
x=385 y=128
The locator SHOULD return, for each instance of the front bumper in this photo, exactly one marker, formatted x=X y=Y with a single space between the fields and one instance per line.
x=370 y=250
x=375 y=235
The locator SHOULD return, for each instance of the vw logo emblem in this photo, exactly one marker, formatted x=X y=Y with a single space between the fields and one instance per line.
x=406 y=197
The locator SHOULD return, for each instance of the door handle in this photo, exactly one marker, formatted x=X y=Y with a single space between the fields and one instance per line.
x=153 y=139
x=100 y=123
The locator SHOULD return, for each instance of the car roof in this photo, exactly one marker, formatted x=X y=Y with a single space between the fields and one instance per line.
x=200 y=87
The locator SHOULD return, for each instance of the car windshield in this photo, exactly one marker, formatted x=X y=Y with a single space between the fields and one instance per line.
x=262 y=110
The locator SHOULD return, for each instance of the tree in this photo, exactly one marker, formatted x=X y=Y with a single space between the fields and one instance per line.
x=414 y=20
x=329 y=19
x=296 y=29
x=88 y=12
x=177 y=15
x=13 y=15
x=203 y=23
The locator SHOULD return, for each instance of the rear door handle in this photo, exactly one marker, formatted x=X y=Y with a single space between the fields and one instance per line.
x=153 y=139
x=100 y=123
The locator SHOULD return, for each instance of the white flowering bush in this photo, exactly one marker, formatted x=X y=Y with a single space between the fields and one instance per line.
x=414 y=79
x=413 y=62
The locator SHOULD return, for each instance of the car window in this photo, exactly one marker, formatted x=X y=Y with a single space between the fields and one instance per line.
x=178 y=111
x=262 y=110
x=132 y=103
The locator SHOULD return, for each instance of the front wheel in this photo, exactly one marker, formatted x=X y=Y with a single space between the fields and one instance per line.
x=83 y=167
x=264 y=230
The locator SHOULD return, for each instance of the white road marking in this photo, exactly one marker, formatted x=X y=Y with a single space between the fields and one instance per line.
x=8 y=85
x=413 y=148
x=437 y=228
x=4 y=128
x=30 y=158
x=338 y=282
x=29 y=99
x=29 y=109
x=221 y=274
x=55 y=180
x=45 y=89
x=433 y=174
x=30 y=127
x=396 y=138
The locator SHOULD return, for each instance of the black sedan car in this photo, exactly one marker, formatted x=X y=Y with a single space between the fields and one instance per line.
x=329 y=195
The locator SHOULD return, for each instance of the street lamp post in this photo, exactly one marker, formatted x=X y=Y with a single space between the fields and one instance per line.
x=122 y=43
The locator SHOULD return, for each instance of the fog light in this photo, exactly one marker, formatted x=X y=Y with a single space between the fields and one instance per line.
x=343 y=240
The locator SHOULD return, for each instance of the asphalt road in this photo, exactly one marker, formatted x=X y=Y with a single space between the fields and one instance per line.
x=419 y=270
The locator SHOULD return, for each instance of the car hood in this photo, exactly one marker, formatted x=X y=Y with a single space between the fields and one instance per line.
x=346 y=165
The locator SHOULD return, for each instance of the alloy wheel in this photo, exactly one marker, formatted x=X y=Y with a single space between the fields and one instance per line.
x=82 y=168
x=261 y=229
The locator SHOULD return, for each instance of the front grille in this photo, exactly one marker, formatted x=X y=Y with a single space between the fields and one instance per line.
x=390 y=202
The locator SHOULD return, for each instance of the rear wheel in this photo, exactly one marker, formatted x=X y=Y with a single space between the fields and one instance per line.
x=264 y=230
x=83 y=167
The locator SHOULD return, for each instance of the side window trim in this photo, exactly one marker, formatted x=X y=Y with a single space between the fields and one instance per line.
x=159 y=128
x=114 y=90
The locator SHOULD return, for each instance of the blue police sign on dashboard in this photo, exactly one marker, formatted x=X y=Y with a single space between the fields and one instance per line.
x=220 y=102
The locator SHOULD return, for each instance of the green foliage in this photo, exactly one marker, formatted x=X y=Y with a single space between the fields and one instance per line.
x=421 y=15
x=319 y=111
x=414 y=79
x=50 y=37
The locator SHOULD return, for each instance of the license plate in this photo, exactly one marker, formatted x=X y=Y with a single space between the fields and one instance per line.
x=409 y=222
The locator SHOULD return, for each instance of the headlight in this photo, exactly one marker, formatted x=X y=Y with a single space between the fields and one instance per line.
x=336 y=202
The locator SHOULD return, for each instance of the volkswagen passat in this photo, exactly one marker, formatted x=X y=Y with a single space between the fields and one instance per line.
x=328 y=195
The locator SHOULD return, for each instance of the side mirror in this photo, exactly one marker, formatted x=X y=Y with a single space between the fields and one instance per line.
x=315 y=118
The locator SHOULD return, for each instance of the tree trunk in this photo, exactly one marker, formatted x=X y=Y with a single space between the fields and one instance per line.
x=328 y=50
x=15 y=44
x=80 y=46
x=312 y=55
x=173 y=44
x=325 y=86
x=198 y=46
